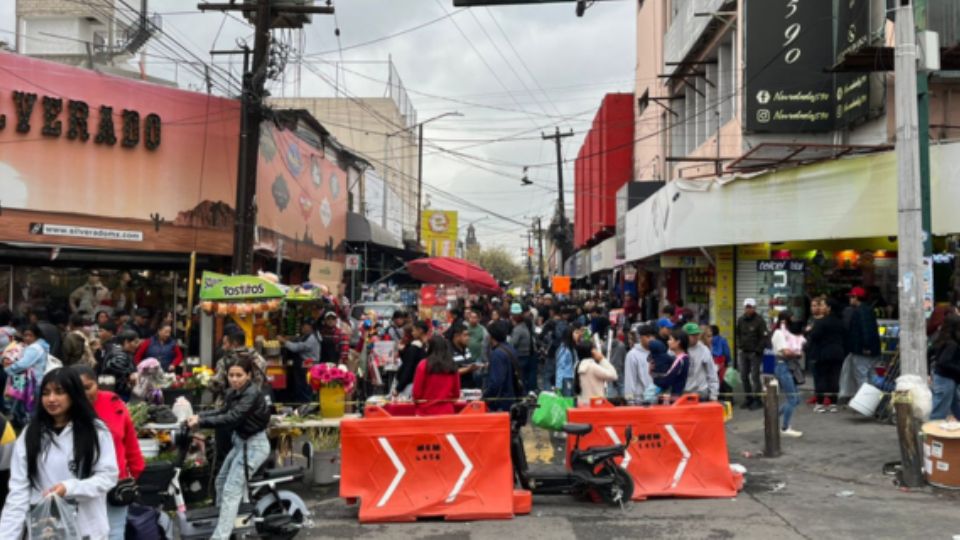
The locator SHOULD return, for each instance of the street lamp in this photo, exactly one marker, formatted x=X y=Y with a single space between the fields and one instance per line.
x=420 y=164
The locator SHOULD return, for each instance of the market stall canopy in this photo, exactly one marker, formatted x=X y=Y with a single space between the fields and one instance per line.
x=218 y=287
x=454 y=271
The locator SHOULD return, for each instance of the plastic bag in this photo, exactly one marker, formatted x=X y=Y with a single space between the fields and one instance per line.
x=732 y=377
x=182 y=409
x=53 y=519
x=551 y=411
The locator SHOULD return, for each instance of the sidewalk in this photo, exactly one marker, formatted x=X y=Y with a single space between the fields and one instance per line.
x=806 y=493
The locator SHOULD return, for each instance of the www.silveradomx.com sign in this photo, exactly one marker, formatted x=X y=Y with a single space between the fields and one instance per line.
x=790 y=45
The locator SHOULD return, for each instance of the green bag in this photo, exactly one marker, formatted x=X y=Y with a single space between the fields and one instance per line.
x=732 y=377
x=551 y=411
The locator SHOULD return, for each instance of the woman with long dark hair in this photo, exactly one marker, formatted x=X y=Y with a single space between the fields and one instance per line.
x=946 y=370
x=788 y=348
x=245 y=415
x=65 y=450
x=670 y=376
x=592 y=373
x=436 y=383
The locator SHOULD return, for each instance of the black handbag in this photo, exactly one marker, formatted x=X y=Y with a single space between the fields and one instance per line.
x=124 y=493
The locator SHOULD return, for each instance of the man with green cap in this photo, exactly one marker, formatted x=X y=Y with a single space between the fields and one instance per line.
x=702 y=379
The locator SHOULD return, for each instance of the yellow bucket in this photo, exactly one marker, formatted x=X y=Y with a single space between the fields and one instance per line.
x=332 y=401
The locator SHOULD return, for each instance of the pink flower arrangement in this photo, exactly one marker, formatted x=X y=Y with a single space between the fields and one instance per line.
x=321 y=375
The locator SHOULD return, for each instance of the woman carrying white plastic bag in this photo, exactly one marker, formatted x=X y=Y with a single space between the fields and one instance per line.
x=67 y=451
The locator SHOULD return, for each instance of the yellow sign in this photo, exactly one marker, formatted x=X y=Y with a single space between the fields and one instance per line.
x=723 y=300
x=753 y=252
x=438 y=230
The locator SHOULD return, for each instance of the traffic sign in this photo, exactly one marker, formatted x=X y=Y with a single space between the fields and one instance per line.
x=352 y=262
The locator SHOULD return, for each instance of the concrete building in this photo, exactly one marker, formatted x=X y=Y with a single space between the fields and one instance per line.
x=96 y=34
x=698 y=94
x=770 y=129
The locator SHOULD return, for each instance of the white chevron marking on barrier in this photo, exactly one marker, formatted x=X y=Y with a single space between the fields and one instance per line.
x=401 y=471
x=683 y=450
x=616 y=440
x=467 y=467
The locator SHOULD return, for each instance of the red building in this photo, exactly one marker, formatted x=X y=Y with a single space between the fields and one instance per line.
x=604 y=164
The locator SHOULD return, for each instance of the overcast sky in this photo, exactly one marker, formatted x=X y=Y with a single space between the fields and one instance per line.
x=464 y=58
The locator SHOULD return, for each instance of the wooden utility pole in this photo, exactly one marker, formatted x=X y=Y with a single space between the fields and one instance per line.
x=564 y=241
x=266 y=16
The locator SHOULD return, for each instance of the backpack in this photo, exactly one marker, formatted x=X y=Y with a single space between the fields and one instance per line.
x=515 y=364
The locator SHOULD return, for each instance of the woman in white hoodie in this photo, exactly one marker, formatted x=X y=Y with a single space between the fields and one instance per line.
x=593 y=372
x=67 y=451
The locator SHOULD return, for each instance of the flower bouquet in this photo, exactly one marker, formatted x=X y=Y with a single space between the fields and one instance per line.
x=190 y=385
x=333 y=382
x=198 y=379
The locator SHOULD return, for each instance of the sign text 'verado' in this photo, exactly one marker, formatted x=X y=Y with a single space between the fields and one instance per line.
x=76 y=115
x=243 y=290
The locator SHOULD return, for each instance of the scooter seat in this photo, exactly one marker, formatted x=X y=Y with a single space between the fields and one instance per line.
x=577 y=429
x=278 y=472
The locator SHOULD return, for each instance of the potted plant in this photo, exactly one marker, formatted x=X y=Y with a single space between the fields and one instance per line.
x=325 y=461
x=333 y=382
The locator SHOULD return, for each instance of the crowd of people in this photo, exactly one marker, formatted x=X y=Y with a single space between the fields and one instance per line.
x=77 y=440
x=508 y=346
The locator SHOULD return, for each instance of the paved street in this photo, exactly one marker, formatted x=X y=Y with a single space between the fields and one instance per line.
x=803 y=494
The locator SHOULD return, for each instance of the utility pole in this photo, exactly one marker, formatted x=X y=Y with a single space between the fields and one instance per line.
x=910 y=255
x=530 y=255
x=913 y=341
x=556 y=137
x=251 y=114
x=419 y=181
x=540 y=253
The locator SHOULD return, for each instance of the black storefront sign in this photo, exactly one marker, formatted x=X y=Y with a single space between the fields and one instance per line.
x=780 y=265
x=852 y=89
x=788 y=88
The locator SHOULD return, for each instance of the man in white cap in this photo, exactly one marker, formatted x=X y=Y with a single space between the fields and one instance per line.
x=751 y=340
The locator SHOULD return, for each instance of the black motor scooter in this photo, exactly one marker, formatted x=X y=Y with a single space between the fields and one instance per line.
x=271 y=512
x=593 y=471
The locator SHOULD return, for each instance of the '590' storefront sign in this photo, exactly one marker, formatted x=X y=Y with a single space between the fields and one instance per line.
x=78 y=124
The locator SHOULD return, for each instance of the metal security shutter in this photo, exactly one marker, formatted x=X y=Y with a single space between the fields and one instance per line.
x=748 y=285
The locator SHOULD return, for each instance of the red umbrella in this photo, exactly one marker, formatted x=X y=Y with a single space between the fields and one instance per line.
x=449 y=270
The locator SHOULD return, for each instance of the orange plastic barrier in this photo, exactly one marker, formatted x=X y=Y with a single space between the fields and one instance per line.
x=678 y=450
x=406 y=467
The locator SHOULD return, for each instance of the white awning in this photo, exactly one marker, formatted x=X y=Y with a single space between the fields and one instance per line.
x=603 y=255
x=847 y=198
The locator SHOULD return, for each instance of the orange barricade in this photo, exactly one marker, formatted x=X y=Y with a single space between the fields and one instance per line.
x=405 y=467
x=678 y=450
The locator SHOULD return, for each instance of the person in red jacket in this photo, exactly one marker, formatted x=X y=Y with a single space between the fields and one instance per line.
x=436 y=383
x=113 y=412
